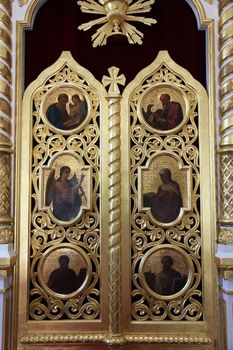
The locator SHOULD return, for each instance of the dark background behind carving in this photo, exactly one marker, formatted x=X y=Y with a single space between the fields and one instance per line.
x=55 y=30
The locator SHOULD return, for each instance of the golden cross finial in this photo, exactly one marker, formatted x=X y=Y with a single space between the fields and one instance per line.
x=113 y=80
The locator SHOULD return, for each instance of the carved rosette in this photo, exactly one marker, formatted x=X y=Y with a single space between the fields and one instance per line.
x=114 y=98
x=6 y=235
x=226 y=113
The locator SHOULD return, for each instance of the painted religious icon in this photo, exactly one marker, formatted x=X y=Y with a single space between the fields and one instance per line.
x=68 y=111
x=64 y=270
x=64 y=280
x=166 y=203
x=166 y=272
x=64 y=194
x=163 y=108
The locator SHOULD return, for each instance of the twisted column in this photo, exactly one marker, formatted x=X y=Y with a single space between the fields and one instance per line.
x=7 y=256
x=226 y=118
x=114 y=98
x=6 y=234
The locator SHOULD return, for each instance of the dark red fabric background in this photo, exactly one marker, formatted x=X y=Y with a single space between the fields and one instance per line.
x=55 y=30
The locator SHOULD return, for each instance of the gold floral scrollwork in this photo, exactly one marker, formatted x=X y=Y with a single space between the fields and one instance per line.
x=161 y=149
x=75 y=235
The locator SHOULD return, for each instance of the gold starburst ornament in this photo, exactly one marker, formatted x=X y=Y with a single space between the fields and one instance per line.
x=115 y=17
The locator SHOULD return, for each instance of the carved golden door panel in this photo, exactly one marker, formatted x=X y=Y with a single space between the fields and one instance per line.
x=115 y=218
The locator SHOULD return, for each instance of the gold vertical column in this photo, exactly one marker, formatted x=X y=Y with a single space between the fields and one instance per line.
x=7 y=256
x=226 y=119
x=114 y=98
x=6 y=233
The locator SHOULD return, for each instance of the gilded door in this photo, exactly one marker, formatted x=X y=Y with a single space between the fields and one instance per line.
x=115 y=217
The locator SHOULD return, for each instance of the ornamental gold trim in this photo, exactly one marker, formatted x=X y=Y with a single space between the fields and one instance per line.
x=225 y=236
x=7 y=5
x=115 y=17
x=117 y=340
x=6 y=235
x=225 y=265
x=114 y=98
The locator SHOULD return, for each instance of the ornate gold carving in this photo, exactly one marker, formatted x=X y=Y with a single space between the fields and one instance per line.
x=5 y=182
x=226 y=68
x=225 y=236
x=5 y=89
x=116 y=13
x=4 y=18
x=6 y=235
x=226 y=266
x=5 y=37
x=226 y=114
x=7 y=5
x=178 y=142
x=60 y=338
x=118 y=340
x=114 y=200
x=23 y=2
x=168 y=339
x=55 y=147
x=226 y=167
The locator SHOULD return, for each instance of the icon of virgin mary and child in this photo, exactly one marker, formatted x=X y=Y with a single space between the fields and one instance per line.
x=64 y=195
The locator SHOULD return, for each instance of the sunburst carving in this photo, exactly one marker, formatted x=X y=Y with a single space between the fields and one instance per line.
x=115 y=15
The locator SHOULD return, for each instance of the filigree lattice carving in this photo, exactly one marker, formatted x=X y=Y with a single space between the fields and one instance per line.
x=226 y=166
x=83 y=232
x=182 y=144
x=5 y=182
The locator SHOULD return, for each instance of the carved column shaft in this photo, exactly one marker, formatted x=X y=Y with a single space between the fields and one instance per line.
x=114 y=98
x=226 y=117
x=114 y=240
x=6 y=235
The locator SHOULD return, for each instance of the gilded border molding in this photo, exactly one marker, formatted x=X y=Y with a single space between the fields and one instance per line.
x=114 y=98
x=225 y=265
x=6 y=234
x=74 y=338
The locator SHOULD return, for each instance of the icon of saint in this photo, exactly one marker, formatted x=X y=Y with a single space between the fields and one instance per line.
x=168 y=281
x=165 y=118
x=64 y=279
x=166 y=203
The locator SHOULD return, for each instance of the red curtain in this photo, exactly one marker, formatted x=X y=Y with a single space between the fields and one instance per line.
x=55 y=30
